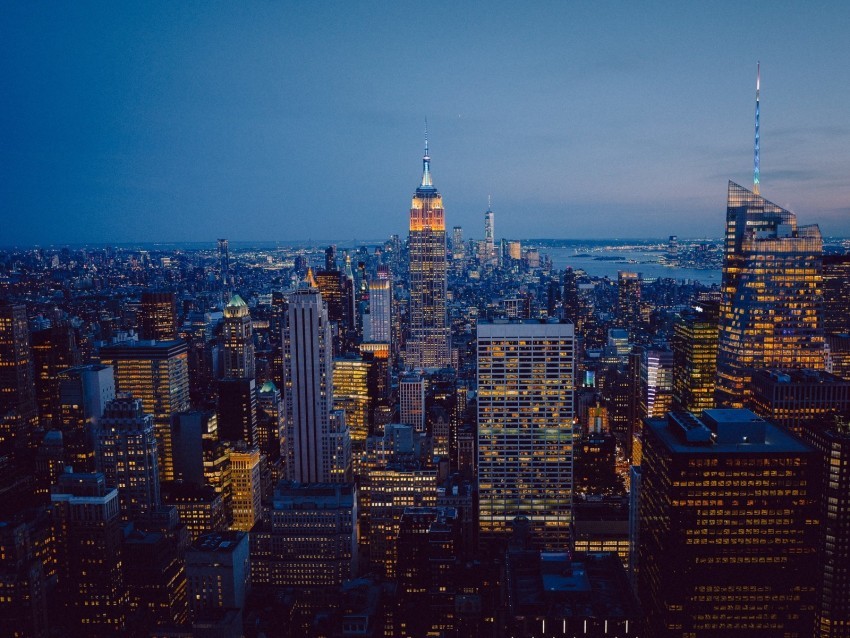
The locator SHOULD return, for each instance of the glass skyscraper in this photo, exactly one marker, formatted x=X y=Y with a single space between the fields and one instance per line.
x=770 y=313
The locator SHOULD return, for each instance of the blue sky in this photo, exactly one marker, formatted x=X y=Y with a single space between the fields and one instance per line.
x=293 y=120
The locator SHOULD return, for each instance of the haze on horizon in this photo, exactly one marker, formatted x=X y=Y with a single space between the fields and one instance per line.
x=174 y=122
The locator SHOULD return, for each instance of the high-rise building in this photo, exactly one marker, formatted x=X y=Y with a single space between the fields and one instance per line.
x=238 y=340
x=126 y=454
x=84 y=392
x=310 y=435
x=728 y=512
x=831 y=438
x=23 y=583
x=270 y=421
x=247 y=490
x=200 y=508
x=628 y=300
x=656 y=380
x=158 y=316
x=458 y=247
x=218 y=572
x=836 y=294
x=380 y=306
x=411 y=395
x=490 y=234
x=355 y=393
x=428 y=346
x=18 y=408
x=695 y=358
x=157 y=373
x=224 y=268
x=53 y=349
x=525 y=428
x=87 y=528
x=236 y=410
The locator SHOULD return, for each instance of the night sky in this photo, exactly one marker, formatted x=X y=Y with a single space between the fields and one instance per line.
x=187 y=121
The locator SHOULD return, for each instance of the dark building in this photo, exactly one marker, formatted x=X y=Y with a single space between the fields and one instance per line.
x=158 y=316
x=23 y=584
x=836 y=294
x=602 y=525
x=236 y=410
x=53 y=349
x=628 y=301
x=838 y=354
x=791 y=398
x=728 y=536
x=18 y=408
x=200 y=508
x=831 y=438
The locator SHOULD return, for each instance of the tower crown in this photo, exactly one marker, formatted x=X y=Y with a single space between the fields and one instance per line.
x=427 y=184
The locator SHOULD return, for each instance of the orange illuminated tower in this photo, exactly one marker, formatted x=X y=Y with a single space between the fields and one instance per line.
x=428 y=346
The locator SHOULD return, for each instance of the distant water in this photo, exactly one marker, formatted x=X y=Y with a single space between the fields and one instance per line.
x=639 y=261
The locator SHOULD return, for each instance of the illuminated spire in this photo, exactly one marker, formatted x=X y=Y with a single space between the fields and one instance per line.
x=756 y=149
x=426 y=164
x=489 y=204
x=311 y=280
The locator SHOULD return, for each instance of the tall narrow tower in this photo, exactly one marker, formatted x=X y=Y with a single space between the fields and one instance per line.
x=489 y=232
x=756 y=168
x=428 y=346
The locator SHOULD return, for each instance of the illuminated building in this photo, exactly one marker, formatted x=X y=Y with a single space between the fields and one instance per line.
x=628 y=300
x=428 y=346
x=728 y=537
x=158 y=316
x=354 y=392
x=525 y=428
x=53 y=350
x=87 y=527
x=794 y=398
x=200 y=508
x=515 y=250
x=218 y=472
x=84 y=392
x=695 y=358
x=238 y=340
x=157 y=373
x=225 y=277
x=338 y=294
x=831 y=438
x=218 y=570
x=656 y=380
x=458 y=247
x=836 y=294
x=236 y=410
x=125 y=452
x=247 y=491
x=489 y=235
x=770 y=316
x=309 y=539
x=270 y=421
x=18 y=408
x=602 y=526
x=380 y=306
x=411 y=394
x=312 y=435
x=838 y=354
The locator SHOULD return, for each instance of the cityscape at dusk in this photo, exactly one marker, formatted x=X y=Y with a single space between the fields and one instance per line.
x=424 y=320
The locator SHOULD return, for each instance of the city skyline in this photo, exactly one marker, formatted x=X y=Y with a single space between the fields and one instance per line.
x=260 y=121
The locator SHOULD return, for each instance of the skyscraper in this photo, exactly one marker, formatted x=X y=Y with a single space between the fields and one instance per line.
x=628 y=300
x=158 y=316
x=380 y=306
x=238 y=340
x=525 y=428
x=428 y=346
x=836 y=294
x=728 y=533
x=458 y=247
x=695 y=358
x=53 y=349
x=245 y=468
x=490 y=233
x=156 y=372
x=770 y=313
x=125 y=452
x=224 y=268
x=18 y=409
x=310 y=442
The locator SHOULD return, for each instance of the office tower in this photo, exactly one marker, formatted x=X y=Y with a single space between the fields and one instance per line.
x=87 y=528
x=628 y=300
x=656 y=380
x=158 y=316
x=728 y=535
x=525 y=428
x=247 y=491
x=338 y=295
x=672 y=246
x=695 y=358
x=602 y=526
x=836 y=294
x=152 y=554
x=354 y=383
x=411 y=395
x=428 y=346
x=218 y=572
x=53 y=349
x=310 y=437
x=126 y=454
x=831 y=438
x=330 y=258
x=795 y=398
x=224 y=268
x=489 y=234
x=157 y=373
x=236 y=410
x=188 y=432
x=84 y=392
x=200 y=507
x=309 y=538
x=18 y=408
x=23 y=583
x=238 y=340
x=270 y=421
x=770 y=317
x=458 y=247
x=595 y=469
x=515 y=250
x=380 y=306
x=571 y=300
x=838 y=354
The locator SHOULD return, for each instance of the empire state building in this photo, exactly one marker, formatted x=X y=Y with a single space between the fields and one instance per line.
x=428 y=346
